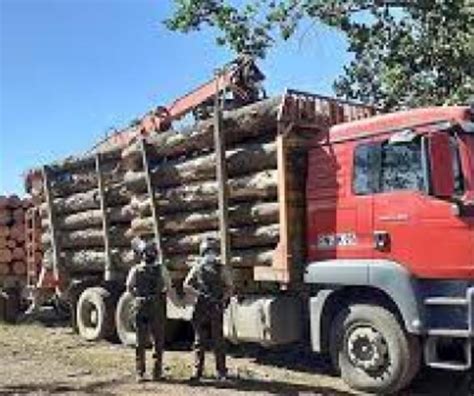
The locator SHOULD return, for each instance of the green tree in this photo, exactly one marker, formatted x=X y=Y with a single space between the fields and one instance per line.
x=406 y=53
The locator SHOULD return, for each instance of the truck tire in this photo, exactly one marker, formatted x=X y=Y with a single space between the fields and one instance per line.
x=125 y=323
x=415 y=361
x=94 y=314
x=372 y=350
x=125 y=320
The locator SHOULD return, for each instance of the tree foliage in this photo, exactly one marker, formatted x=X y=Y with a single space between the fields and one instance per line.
x=406 y=53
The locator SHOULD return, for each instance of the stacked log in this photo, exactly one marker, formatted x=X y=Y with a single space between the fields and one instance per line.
x=12 y=238
x=183 y=177
x=185 y=190
x=72 y=216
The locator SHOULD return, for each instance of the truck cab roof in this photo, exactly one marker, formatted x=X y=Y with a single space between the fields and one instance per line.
x=399 y=120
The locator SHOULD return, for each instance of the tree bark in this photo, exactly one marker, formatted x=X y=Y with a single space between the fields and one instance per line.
x=86 y=162
x=246 y=237
x=94 y=260
x=240 y=161
x=18 y=253
x=4 y=268
x=115 y=196
x=5 y=217
x=260 y=186
x=81 y=182
x=17 y=232
x=13 y=202
x=239 y=215
x=241 y=258
x=238 y=125
x=88 y=238
x=90 y=260
x=89 y=219
x=5 y=255
x=18 y=267
x=4 y=232
x=77 y=173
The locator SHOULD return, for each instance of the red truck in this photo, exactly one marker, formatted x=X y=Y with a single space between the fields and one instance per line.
x=383 y=239
x=374 y=264
x=389 y=235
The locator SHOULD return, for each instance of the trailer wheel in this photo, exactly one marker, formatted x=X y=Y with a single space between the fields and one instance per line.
x=94 y=314
x=125 y=319
x=372 y=350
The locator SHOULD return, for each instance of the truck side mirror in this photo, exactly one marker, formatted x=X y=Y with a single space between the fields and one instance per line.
x=441 y=165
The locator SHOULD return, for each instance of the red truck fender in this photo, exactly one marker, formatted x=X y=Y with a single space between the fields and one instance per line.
x=383 y=277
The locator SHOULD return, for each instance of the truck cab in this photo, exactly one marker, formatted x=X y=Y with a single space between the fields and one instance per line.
x=389 y=237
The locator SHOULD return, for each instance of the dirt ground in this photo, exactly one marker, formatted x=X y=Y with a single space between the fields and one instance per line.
x=40 y=360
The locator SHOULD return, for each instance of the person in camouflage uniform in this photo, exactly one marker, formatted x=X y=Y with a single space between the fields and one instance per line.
x=210 y=283
x=148 y=282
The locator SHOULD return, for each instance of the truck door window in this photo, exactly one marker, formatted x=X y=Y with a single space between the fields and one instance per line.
x=383 y=167
x=457 y=169
x=402 y=167
x=366 y=168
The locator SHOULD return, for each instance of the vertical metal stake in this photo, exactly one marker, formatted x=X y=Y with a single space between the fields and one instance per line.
x=109 y=273
x=154 y=208
x=52 y=226
x=221 y=172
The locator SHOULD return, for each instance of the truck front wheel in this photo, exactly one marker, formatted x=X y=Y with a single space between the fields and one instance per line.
x=94 y=314
x=372 y=350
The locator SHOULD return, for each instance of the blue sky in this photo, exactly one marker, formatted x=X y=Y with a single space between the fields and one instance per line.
x=71 y=70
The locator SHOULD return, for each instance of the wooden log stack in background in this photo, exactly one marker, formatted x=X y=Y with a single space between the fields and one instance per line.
x=13 y=265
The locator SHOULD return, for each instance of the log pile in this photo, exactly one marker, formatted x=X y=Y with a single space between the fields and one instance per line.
x=184 y=189
x=13 y=264
x=73 y=215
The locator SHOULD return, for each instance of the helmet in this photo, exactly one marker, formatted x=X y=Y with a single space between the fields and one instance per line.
x=151 y=252
x=145 y=250
x=208 y=243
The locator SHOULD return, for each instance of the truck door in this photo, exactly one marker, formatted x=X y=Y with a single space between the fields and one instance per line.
x=339 y=222
x=412 y=227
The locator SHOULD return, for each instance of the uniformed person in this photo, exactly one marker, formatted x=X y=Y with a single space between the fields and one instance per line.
x=148 y=282
x=210 y=283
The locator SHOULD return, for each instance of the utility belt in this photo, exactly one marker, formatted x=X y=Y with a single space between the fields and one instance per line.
x=151 y=297
x=206 y=299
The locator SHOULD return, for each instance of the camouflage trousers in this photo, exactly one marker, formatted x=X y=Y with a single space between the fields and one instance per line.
x=150 y=320
x=207 y=322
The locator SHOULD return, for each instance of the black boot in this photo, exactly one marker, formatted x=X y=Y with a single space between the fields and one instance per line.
x=140 y=364
x=198 y=365
x=157 y=374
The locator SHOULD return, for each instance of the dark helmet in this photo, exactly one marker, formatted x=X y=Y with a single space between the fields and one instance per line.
x=208 y=244
x=145 y=250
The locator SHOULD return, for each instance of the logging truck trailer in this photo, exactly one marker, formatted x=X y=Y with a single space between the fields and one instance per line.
x=350 y=231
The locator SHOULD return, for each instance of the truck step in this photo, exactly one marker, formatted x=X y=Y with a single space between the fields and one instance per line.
x=459 y=301
x=454 y=366
x=434 y=360
x=454 y=333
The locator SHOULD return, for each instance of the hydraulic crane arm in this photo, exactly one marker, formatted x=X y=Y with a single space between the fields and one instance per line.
x=241 y=77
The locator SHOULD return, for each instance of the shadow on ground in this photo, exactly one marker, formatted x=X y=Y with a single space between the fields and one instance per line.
x=298 y=358
x=60 y=388
x=271 y=386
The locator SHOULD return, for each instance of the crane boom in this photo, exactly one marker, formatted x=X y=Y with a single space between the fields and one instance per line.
x=241 y=77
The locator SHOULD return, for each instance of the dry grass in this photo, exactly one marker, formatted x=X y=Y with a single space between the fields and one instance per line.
x=38 y=360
